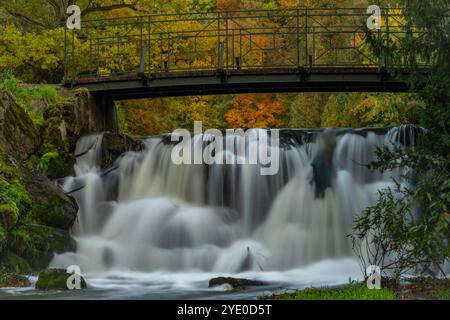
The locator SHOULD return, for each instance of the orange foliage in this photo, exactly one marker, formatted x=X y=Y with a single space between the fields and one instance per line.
x=255 y=111
x=227 y=5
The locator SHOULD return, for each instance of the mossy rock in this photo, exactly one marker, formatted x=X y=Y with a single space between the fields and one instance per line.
x=54 y=135
x=56 y=165
x=18 y=135
x=13 y=263
x=2 y=239
x=116 y=144
x=8 y=279
x=37 y=244
x=55 y=279
x=11 y=187
x=236 y=283
x=9 y=214
x=50 y=206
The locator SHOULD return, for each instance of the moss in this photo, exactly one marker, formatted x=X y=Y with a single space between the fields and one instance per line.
x=6 y=170
x=52 y=164
x=38 y=121
x=55 y=279
x=9 y=279
x=9 y=214
x=2 y=239
x=47 y=214
x=32 y=163
x=34 y=142
x=19 y=130
x=13 y=196
x=16 y=193
x=53 y=135
x=11 y=262
x=37 y=243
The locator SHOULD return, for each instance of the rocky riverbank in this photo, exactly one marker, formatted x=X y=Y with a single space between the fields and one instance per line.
x=39 y=127
x=35 y=214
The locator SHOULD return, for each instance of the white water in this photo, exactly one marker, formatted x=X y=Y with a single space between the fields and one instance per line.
x=152 y=219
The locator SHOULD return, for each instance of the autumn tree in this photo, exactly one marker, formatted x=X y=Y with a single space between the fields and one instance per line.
x=49 y=14
x=305 y=110
x=255 y=111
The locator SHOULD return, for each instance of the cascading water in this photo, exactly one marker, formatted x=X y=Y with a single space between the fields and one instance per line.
x=151 y=214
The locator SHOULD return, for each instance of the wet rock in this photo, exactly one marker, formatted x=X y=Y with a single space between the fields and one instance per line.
x=115 y=144
x=108 y=257
x=323 y=168
x=55 y=279
x=11 y=262
x=37 y=244
x=236 y=283
x=51 y=206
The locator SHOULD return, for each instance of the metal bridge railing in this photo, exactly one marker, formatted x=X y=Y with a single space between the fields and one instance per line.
x=259 y=39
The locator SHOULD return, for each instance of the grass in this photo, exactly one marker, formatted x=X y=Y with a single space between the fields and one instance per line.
x=23 y=95
x=417 y=288
x=352 y=291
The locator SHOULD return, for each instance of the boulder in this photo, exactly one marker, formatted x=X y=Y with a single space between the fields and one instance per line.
x=18 y=135
x=15 y=280
x=55 y=279
x=11 y=262
x=51 y=206
x=37 y=244
x=115 y=144
x=236 y=283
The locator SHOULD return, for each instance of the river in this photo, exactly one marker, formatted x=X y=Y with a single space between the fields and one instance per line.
x=153 y=229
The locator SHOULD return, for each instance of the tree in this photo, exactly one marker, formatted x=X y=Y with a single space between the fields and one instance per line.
x=163 y=115
x=35 y=57
x=50 y=14
x=424 y=236
x=305 y=110
x=254 y=111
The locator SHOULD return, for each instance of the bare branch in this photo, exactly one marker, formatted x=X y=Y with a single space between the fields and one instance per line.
x=90 y=9
x=26 y=19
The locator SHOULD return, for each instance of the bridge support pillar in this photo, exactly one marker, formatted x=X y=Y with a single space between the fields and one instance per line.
x=105 y=110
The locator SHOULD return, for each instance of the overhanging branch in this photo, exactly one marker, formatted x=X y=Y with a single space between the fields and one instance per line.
x=26 y=19
x=90 y=9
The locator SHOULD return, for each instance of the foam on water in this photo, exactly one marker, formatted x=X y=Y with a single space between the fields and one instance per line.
x=152 y=221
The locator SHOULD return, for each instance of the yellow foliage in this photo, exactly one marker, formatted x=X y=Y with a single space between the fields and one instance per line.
x=39 y=55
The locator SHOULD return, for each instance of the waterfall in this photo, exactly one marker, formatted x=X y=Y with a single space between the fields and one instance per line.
x=151 y=214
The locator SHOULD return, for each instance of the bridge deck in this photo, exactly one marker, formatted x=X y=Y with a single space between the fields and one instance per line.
x=329 y=79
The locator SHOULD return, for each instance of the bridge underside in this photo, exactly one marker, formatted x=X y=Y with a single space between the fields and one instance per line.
x=170 y=84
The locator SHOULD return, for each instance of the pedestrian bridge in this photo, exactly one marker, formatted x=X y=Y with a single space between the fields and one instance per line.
x=292 y=50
